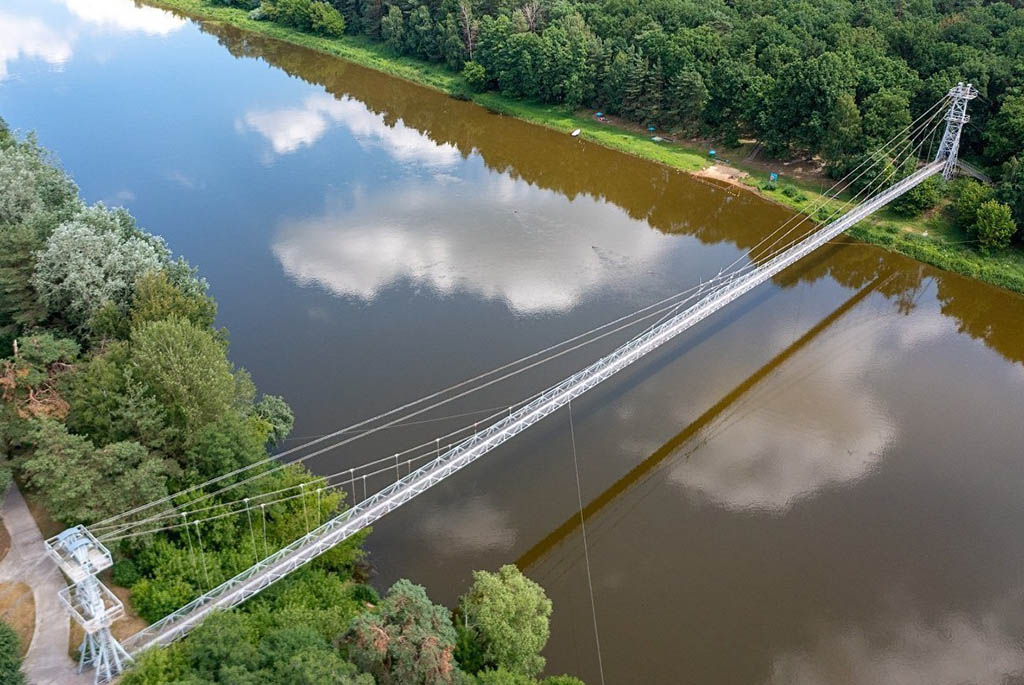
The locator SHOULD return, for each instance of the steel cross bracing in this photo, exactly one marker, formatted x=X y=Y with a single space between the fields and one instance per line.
x=365 y=513
x=956 y=117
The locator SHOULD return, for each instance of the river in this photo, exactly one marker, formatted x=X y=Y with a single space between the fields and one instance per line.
x=820 y=484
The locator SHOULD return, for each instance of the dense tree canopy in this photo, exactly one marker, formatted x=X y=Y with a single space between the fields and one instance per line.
x=507 y=614
x=834 y=77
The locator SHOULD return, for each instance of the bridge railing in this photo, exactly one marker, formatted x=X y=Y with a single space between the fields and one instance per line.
x=308 y=547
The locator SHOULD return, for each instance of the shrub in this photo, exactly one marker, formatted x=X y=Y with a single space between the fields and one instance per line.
x=994 y=225
x=10 y=656
x=125 y=573
x=475 y=75
x=326 y=20
x=365 y=593
x=294 y=13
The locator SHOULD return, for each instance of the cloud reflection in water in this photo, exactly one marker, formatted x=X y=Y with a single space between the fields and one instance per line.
x=538 y=253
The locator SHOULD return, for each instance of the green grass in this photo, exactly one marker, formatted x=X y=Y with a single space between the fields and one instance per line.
x=933 y=239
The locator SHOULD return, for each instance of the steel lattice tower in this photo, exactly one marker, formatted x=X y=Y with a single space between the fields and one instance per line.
x=955 y=120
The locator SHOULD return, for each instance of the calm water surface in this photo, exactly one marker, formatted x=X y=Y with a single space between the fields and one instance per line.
x=821 y=484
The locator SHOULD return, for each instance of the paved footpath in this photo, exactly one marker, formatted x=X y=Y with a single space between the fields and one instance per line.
x=47 y=660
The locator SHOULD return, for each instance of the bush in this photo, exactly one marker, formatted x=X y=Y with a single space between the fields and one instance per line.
x=365 y=593
x=994 y=225
x=294 y=13
x=10 y=656
x=475 y=75
x=921 y=198
x=125 y=573
x=326 y=20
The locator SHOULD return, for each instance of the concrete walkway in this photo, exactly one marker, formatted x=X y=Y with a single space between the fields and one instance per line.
x=47 y=660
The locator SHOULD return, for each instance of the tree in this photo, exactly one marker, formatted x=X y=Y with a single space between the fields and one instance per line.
x=469 y=27
x=185 y=368
x=37 y=197
x=885 y=114
x=326 y=20
x=156 y=297
x=276 y=412
x=1004 y=134
x=392 y=29
x=844 y=136
x=688 y=96
x=82 y=484
x=509 y=615
x=10 y=656
x=969 y=197
x=1010 y=190
x=106 y=404
x=920 y=198
x=475 y=75
x=94 y=259
x=994 y=225
x=407 y=640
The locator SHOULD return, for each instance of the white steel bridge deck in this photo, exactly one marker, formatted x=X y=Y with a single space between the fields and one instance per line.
x=365 y=513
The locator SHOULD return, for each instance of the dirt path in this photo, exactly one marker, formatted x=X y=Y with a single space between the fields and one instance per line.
x=47 y=658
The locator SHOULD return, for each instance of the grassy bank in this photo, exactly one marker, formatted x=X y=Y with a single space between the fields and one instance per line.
x=931 y=239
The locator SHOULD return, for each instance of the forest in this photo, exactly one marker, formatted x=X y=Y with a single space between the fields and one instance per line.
x=116 y=389
x=832 y=79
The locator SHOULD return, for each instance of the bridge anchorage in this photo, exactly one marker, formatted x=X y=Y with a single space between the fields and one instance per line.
x=80 y=554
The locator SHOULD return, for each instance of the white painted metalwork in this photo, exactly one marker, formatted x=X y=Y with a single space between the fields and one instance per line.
x=956 y=117
x=80 y=555
x=88 y=601
x=350 y=522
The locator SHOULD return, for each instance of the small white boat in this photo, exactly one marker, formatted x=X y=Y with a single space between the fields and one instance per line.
x=575 y=133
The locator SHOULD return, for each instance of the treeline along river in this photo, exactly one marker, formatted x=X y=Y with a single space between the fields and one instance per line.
x=819 y=484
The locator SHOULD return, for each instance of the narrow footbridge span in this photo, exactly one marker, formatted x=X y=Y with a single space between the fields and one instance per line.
x=726 y=288
x=364 y=514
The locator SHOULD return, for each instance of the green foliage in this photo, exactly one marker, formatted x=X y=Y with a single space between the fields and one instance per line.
x=1010 y=190
x=278 y=415
x=82 y=484
x=10 y=656
x=186 y=369
x=156 y=297
x=392 y=29
x=29 y=378
x=921 y=198
x=994 y=225
x=282 y=636
x=37 y=197
x=502 y=676
x=969 y=195
x=406 y=640
x=509 y=614
x=1004 y=134
x=475 y=75
x=107 y=404
x=325 y=19
x=95 y=258
x=125 y=573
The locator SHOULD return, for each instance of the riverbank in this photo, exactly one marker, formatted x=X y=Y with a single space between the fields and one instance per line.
x=931 y=238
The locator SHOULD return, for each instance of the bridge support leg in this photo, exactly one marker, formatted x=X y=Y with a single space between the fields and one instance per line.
x=956 y=117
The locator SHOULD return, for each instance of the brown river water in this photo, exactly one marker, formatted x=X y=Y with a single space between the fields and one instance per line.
x=821 y=483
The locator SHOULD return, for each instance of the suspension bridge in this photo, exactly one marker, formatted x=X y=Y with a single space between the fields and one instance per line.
x=80 y=552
